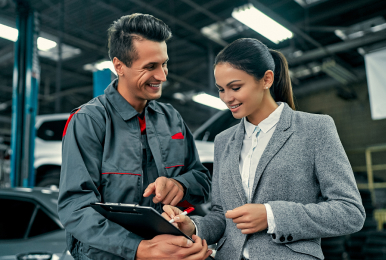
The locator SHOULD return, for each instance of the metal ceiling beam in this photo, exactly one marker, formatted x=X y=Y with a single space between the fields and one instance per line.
x=335 y=11
x=75 y=41
x=119 y=13
x=179 y=22
x=207 y=5
x=324 y=84
x=66 y=72
x=338 y=47
x=201 y=9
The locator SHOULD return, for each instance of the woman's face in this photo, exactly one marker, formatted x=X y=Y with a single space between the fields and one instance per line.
x=242 y=93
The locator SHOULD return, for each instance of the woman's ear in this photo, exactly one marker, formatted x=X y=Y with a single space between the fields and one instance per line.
x=118 y=66
x=268 y=79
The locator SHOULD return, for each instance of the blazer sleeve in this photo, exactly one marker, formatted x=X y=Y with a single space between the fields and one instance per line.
x=79 y=181
x=212 y=226
x=341 y=212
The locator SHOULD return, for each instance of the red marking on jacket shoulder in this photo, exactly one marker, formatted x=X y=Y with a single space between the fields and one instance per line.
x=68 y=121
x=178 y=136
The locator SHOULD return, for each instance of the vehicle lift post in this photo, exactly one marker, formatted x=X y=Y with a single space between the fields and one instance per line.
x=101 y=79
x=26 y=76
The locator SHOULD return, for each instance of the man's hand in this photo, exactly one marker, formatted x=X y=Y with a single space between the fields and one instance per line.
x=173 y=247
x=182 y=222
x=166 y=190
x=250 y=218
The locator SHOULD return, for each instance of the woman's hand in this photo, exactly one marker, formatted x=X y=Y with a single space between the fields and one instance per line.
x=250 y=218
x=182 y=222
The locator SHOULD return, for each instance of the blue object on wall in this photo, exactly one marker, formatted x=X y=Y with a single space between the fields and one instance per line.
x=26 y=76
x=101 y=79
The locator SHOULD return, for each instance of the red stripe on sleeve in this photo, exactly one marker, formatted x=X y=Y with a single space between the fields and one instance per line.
x=68 y=121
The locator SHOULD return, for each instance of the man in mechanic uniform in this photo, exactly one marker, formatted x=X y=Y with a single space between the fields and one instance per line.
x=124 y=147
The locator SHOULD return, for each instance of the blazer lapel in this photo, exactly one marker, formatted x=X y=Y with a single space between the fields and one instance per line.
x=282 y=132
x=234 y=160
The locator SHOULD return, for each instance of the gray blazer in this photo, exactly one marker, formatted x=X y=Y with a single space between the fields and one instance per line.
x=304 y=175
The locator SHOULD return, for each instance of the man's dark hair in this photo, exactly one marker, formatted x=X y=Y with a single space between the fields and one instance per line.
x=134 y=27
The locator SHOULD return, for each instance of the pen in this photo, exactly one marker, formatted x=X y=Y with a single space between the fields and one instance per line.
x=186 y=211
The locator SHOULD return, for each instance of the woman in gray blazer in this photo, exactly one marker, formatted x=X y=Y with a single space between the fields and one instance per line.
x=281 y=178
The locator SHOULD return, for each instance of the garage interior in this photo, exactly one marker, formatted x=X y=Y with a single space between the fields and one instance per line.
x=326 y=57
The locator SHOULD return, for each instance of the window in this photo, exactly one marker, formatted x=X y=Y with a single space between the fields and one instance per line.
x=15 y=217
x=42 y=224
x=51 y=130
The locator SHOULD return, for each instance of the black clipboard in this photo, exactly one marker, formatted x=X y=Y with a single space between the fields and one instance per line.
x=143 y=221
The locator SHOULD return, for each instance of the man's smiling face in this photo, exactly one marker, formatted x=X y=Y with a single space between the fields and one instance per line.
x=143 y=80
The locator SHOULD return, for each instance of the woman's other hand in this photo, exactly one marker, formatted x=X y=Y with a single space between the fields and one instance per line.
x=250 y=218
x=182 y=222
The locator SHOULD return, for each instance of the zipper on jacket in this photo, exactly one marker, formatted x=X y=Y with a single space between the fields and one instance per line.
x=141 y=157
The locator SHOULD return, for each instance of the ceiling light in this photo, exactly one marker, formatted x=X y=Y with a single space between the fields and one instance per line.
x=100 y=65
x=308 y=3
x=338 y=72
x=210 y=101
x=359 y=30
x=378 y=28
x=8 y=33
x=261 y=23
x=12 y=34
x=45 y=44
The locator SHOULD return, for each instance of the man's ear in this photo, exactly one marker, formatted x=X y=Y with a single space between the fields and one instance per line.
x=268 y=79
x=118 y=66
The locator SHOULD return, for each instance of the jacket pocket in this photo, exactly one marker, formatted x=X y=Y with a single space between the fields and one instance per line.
x=308 y=247
x=220 y=243
x=123 y=187
x=175 y=153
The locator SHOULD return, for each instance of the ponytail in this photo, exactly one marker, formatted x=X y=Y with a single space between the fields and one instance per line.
x=282 y=87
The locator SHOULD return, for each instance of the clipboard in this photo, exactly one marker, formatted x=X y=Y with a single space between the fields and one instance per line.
x=143 y=221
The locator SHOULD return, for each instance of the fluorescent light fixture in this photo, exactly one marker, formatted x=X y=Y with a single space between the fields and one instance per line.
x=8 y=33
x=338 y=72
x=340 y=34
x=308 y=3
x=378 y=28
x=105 y=65
x=261 y=23
x=45 y=44
x=362 y=29
x=209 y=100
x=12 y=34
x=100 y=65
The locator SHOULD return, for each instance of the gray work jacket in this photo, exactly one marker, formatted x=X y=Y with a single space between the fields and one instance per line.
x=102 y=162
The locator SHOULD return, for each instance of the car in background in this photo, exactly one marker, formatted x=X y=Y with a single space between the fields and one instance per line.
x=29 y=224
x=5 y=164
x=48 y=149
x=219 y=122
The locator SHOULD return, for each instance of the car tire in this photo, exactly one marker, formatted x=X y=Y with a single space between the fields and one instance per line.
x=51 y=179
